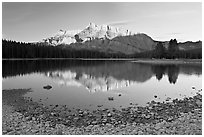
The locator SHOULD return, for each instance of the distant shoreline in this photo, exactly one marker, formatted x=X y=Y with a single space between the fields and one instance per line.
x=168 y=61
x=136 y=60
x=69 y=59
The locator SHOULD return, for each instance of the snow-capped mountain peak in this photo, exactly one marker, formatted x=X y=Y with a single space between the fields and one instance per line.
x=92 y=31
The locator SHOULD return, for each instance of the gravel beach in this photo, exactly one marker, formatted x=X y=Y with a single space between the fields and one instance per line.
x=22 y=116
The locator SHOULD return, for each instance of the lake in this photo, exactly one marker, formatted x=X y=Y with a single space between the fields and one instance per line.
x=90 y=84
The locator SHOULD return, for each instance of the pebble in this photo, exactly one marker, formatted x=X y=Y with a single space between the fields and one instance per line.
x=147 y=116
x=94 y=122
x=170 y=119
x=28 y=118
x=140 y=132
x=33 y=118
x=4 y=131
x=198 y=102
x=59 y=132
x=80 y=111
x=109 y=115
x=96 y=126
x=53 y=114
x=123 y=126
x=34 y=130
x=76 y=118
x=90 y=126
x=85 y=113
x=109 y=125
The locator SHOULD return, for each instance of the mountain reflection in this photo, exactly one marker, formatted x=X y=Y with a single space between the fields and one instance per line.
x=98 y=75
x=91 y=83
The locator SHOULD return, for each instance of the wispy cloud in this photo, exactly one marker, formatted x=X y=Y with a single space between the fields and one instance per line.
x=171 y=13
x=119 y=23
x=173 y=33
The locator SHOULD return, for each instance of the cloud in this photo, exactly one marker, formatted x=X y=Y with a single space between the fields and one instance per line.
x=174 y=33
x=171 y=13
x=119 y=23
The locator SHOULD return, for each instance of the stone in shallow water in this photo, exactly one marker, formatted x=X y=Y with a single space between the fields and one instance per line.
x=168 y=99
x=110 y=98
x=48 y=87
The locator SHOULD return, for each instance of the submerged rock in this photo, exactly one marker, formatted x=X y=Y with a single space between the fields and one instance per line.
x=110 y=98
x=48 y=87
x=193 y=87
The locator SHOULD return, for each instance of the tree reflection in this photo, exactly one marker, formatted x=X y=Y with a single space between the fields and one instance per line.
x=171 y=70
x=159 y=71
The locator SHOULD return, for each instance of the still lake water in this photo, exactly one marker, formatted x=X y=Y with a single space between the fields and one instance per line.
x=87 y=84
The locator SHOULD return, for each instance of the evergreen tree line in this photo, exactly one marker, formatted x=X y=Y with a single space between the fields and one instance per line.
x=173 y=51
x=13 y=49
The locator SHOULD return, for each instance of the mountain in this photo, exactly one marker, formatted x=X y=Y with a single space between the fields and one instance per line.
x=91 y=32
x=62 y=37
x=109 y=39
x=94 y=31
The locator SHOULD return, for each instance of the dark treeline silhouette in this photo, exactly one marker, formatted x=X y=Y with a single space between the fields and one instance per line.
x=21 y=67
x=13 y=49
x=173 y=51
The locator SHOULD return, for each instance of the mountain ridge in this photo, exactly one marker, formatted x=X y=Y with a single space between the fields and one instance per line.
x=91 y=32
x=106 y=38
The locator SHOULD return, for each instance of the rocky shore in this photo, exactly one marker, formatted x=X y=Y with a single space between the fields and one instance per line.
x=22 y=116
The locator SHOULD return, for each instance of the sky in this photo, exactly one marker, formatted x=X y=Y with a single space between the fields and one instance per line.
x=162 y=21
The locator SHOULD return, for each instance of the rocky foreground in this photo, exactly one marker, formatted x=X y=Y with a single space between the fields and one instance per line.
x=22 y=116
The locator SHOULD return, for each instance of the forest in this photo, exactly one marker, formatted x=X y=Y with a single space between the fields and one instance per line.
x=13 y=49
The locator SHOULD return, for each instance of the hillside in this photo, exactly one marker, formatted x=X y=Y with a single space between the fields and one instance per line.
x=189 y=45
x=122 y=44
